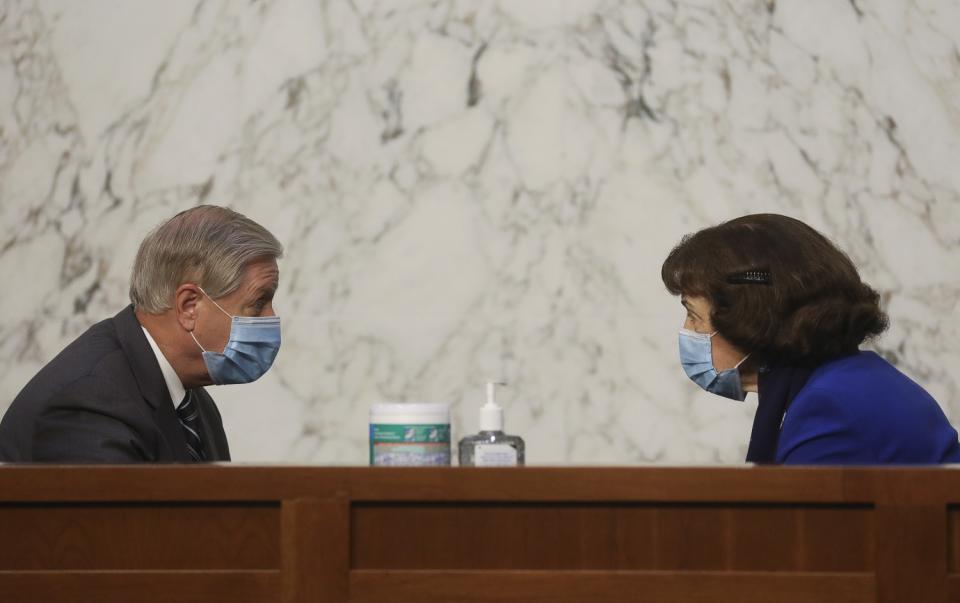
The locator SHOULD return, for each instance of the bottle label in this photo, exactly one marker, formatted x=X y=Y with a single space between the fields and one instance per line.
x=495 y=455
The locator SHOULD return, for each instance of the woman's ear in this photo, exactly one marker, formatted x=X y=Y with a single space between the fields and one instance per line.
x=185 y=301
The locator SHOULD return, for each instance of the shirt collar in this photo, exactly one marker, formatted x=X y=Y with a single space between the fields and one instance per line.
x=174 y=385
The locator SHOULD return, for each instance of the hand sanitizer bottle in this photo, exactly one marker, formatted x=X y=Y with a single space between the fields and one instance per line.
x=491 y=447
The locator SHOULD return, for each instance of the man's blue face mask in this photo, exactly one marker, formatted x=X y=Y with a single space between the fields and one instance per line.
x=696 y=356
x=250 y=351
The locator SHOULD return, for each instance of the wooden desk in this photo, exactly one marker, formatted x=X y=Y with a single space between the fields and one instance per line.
x=587 y=535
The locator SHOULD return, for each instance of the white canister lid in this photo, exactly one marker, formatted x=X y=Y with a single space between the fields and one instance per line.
x=410 y=412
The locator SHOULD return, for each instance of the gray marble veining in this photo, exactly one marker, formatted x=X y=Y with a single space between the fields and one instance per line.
x=474 y=190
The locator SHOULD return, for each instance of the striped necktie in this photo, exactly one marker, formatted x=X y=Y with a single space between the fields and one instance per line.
x=189 y=414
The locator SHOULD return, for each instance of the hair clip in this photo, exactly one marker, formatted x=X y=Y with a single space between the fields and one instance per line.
x=750 y=277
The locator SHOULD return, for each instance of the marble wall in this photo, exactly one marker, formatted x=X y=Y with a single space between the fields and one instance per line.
x=476 y=189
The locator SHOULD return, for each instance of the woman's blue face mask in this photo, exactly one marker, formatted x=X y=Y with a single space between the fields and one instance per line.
x=696 y=356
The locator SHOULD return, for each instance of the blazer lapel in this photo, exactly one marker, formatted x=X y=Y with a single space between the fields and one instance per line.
x=150 y=381
x=172 y=430
x=214 y=439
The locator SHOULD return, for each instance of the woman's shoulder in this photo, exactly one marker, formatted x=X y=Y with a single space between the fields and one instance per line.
x=862 y=369
x=866 y=388
x=873 y=412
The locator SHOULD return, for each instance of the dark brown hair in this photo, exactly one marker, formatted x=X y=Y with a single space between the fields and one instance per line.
x=779 y=289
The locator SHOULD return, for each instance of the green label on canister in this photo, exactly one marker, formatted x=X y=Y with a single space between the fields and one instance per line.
x=409 y=445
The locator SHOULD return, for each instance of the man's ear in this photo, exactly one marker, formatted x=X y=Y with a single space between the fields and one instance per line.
x=185 y=305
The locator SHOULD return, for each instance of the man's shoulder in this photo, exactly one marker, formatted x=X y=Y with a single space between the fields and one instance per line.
x=83 y=356
x=95 y=355
x=90 y=375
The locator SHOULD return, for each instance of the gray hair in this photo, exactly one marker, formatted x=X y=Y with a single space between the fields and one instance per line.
x=207 y=245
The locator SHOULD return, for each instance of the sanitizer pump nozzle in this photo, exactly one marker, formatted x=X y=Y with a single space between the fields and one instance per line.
x=491 y=413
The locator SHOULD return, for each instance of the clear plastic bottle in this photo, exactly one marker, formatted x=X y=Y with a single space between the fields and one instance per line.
x=492 y=447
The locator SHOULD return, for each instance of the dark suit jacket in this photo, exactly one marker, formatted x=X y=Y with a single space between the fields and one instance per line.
x=103 y=399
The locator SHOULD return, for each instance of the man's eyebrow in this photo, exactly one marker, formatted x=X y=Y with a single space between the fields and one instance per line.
x=688 y=307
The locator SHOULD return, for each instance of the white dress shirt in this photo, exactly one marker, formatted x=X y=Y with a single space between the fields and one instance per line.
x=174 y=385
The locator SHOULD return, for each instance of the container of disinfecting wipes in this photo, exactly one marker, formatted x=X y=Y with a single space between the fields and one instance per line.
x=409 y=434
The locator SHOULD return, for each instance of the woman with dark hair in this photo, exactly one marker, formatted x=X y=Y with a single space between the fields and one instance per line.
x=774 y=307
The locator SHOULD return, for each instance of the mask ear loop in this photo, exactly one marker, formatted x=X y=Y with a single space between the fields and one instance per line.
x=202 y=349
x=197 y=342
x=742 y=360
x=214 y=302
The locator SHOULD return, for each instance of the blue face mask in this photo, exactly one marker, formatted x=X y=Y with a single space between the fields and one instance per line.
x=696 y=356
x=250 y=351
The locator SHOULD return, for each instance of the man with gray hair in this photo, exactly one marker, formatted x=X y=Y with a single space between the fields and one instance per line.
x=130 y=389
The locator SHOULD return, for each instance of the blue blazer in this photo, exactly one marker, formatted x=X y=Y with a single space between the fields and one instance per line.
x=861 y=410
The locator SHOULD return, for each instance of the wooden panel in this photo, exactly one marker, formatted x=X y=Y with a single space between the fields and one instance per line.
x=911 y=554
x=836 y=539
x=239 y=482
x=953 y=589
x=259 y=586
x=316 y=551
x=578 y=536
x=140 y=536
x=216 y=482
x=953 y=539
x=738 y=534
x=608 y=587
x=765 y=538
x=691 y=538
x=605 y=484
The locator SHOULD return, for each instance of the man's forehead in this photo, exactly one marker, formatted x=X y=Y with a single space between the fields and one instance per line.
x=262 y=275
